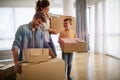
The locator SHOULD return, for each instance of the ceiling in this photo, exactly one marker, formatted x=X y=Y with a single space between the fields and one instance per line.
x=27 y=3
x=31 y=3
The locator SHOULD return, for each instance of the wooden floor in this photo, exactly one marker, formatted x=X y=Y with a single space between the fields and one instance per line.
x=89 y=66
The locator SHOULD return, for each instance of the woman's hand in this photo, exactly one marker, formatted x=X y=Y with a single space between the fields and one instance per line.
x=53 y=31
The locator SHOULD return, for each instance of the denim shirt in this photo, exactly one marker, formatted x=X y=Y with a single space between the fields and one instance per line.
x=23 y=39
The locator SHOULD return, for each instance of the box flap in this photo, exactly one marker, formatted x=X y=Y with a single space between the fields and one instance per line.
x=35 y=52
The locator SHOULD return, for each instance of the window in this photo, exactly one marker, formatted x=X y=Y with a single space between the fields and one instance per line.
x=105 y=27
x=12 y=18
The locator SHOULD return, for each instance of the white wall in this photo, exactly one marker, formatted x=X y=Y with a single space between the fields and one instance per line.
x=68 y=7
x=17 y=3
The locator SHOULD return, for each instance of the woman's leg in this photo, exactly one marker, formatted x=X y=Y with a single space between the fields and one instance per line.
x=52 y=46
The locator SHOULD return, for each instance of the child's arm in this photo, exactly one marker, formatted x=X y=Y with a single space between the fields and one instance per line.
x=75 y=36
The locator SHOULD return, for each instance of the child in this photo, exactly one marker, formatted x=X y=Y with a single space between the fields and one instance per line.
x=67 y=33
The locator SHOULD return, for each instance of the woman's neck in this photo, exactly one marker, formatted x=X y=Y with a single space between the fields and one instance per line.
x=46 y=15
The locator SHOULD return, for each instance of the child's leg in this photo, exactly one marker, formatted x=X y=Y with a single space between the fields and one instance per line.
x=70 y=57
x=65 y=58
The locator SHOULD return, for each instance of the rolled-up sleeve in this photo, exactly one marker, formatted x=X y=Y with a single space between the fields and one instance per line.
x=18 y=39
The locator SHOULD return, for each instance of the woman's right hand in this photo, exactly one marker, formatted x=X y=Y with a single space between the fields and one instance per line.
x=53 y=31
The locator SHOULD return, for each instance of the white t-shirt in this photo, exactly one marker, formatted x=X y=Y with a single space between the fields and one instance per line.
x=46 y=27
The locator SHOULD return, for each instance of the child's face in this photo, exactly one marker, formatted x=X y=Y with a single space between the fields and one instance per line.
x=67 y=25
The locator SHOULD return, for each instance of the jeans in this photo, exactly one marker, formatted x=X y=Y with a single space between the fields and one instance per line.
x=67 y=57
x=51 y=44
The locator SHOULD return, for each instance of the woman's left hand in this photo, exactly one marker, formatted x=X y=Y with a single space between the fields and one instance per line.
x=53 y=31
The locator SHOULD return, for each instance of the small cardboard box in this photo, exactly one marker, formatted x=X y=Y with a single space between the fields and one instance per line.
x=7 y=72
x=53 y=69
x=35 y=54
x=69 y=45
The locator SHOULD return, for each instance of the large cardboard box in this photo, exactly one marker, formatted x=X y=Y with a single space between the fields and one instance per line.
x=57 y=23
x=7 y=72
x=35 y=54
x=69 y=45
x=54 y=69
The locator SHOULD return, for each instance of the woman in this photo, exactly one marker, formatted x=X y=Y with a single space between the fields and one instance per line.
x=44 y=6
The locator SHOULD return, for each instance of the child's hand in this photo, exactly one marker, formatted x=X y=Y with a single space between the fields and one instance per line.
x=59 y=41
